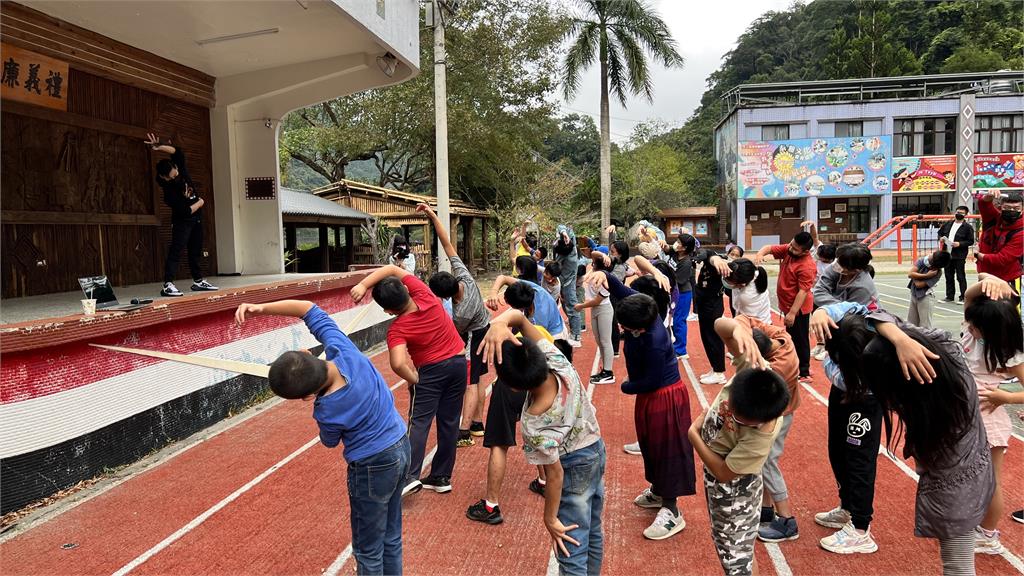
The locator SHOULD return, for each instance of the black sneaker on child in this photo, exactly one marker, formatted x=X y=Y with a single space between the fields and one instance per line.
x=412 y=486
x=536 y=487
x=476 y=428
x=767 y=514
x=439 y=484
x=1018 y=516
x=480 y=513
x=603 y=377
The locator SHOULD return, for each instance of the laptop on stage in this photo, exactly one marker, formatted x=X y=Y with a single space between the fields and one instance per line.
x=99 y=287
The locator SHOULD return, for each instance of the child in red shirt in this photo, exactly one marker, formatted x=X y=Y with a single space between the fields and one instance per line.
x=425 y=350
x=797 y=273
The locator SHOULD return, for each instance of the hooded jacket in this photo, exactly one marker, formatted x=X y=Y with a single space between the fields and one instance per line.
x=1002 y=244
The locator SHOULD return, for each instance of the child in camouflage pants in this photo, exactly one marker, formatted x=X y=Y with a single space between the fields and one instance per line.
x=733 y=438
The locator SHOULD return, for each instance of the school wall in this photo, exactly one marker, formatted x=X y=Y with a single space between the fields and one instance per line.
x=70 y=412
x=79 y=190
x=818 y=121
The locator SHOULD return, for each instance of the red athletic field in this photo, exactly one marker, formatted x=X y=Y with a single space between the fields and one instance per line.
x=262 y=497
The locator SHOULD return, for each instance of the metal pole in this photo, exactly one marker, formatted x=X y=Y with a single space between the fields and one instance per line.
x=441 y=131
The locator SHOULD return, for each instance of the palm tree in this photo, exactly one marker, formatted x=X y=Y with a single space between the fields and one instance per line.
x=616 y=33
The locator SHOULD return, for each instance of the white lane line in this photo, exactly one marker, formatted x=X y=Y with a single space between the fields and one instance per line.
x=1010 y=557
x=335 y=568
x=774 y=551
x=883 y=296
x=178 y=534
x=213 y=510
x=958 y=311
x=552 y=560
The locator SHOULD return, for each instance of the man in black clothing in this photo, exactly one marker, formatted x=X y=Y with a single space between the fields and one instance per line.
x=959 y=235
x=707 y=294
x=186 y=217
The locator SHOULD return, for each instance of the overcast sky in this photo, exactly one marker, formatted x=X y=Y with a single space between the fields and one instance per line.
x=704 y=31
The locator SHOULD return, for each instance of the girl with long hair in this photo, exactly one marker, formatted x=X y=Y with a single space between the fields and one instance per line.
x=748 y=285
x=921 y=376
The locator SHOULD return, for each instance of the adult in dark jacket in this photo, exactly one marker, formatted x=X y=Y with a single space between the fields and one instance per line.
x=959 y=234
x=186 y=217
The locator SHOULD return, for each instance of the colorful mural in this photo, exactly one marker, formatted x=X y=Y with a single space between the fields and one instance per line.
x=924 y=174
x=814 y=167
x=999 y=170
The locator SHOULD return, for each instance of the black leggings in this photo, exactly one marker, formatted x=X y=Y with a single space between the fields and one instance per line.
x=710 y=307
x=854 y=434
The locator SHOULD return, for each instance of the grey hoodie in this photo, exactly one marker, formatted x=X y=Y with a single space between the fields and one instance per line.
x=827 y=290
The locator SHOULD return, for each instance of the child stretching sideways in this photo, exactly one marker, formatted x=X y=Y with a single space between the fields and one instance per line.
x=733 y=438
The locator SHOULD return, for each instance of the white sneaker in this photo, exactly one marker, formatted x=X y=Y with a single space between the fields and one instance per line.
x=633 y=449
x=665 y=524
x=985 y=544
x=834 y=518
x=575 y=342
x=820 y=355
x=647 y=499
x=713 y=378
x=849 y=541
x=692 y=317
x=170 y=290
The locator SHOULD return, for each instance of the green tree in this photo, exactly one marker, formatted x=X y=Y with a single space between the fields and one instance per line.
x=618 y=35
x=576 y=140
x=973 y=58
x=647 y=175
x=872 y=49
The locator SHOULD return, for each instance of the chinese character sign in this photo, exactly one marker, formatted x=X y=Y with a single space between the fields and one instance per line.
x=999 y=170
x=924 y=174
x=33 y=78
x=814 y=167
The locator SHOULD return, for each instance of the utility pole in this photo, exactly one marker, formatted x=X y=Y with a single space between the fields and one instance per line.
x=438 y=8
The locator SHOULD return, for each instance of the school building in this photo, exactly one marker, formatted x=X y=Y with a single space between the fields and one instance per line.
x=851 y=155
x=82 y=85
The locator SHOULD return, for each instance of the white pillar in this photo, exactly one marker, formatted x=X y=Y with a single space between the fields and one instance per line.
x=441 y=133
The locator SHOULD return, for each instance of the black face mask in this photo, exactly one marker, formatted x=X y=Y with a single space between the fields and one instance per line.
x=1010 y=216
x=959 y=216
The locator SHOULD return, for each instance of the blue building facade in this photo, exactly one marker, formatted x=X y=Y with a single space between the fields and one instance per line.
x=850 y=155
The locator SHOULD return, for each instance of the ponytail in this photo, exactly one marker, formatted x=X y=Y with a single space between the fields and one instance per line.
x=761 y=280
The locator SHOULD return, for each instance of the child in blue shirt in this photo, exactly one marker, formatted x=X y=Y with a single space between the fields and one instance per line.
x=353 y=405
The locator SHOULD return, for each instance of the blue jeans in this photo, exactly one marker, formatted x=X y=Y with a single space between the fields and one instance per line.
x=375 y=497
x=582 y=502
x=569 y=303
x=679 y=321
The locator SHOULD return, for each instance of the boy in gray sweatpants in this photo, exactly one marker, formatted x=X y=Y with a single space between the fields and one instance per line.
x=923 y=277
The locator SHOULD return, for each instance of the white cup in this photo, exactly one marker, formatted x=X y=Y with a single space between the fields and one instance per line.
x=89 y=306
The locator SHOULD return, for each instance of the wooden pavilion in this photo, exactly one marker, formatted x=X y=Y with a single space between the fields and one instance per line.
x=305 y=210
x=397 y=210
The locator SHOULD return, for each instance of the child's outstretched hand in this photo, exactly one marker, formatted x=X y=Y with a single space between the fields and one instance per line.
x=493 y=303
x=560 y=535
x=578 y=307
x=996 y=288
x=497 y=334
x=915 y=360
x=992 y=398
x=246 y=310
x=357 y=292
x=822 y=325
x=745 y=346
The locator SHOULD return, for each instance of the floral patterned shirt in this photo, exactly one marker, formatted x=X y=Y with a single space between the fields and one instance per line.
x=571 y=421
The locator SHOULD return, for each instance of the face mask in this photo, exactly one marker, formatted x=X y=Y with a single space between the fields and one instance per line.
x=1010 y=216
x=728 y=285
x=959 y=216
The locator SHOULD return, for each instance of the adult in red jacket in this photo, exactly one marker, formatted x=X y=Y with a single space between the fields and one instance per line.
x=1001 y=246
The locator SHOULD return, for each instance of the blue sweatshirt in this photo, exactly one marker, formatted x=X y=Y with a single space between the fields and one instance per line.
x=650 y=358
x=361 y=414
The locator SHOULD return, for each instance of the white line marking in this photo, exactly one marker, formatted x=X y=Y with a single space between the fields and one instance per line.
x=774 y=552
x=1010 y=557
x=339 y=562
x=213 y=510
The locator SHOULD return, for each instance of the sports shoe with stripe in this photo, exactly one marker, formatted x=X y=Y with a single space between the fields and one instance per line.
x=850 y=541
x=633 y=449
x=203 y=286
x=439 y=484
x=647 y=499
x=987 y=542
x=666 y=524
x=834 y=518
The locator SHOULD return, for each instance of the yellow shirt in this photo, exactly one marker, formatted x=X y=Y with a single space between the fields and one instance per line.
x=745 y=448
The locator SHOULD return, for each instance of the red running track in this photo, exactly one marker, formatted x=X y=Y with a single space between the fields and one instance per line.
x=294 y=520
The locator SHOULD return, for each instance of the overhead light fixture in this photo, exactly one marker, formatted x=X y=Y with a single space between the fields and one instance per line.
x=388 y=63
x=237 y=36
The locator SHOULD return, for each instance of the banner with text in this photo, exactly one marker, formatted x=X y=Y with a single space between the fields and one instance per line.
x=814 y=167
x=33 y=78
x=924 y=174
x=999 y=170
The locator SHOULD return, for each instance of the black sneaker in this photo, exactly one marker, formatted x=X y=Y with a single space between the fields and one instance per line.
x=1018 y=516
x=480 y=513
x=767 y=514
x=203 y=286
x=950 y=300
x=603 y=377
x=476 y=428
x=536 y=487
x=170 y=290
x=439 y=484
x=412 y=486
